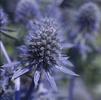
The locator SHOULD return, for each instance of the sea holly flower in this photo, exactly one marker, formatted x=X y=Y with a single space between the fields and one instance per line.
x=87 y=23
x=27 y=10
x=42 y=52
x=88 y=19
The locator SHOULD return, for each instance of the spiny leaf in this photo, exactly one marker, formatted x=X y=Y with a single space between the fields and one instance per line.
x=36 y=78
x=20 y=72
x=51 y=80
x=65 y=70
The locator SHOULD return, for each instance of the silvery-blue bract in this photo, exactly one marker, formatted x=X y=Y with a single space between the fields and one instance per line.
x=42 y=51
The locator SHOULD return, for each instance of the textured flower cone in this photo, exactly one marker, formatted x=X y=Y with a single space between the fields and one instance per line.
x=42 y=51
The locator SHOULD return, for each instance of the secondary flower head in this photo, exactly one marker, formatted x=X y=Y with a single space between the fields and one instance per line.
x=87 y=24
x=3 y=18
x=26 y=10
x=3 y=24
x=41 y=51
x=88 y=18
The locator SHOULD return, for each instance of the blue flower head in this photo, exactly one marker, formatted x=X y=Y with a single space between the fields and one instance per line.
x=26 y=10
x=41 y=51
x=88 y=18
x=87 y=23
x=3 y=18
x=4 y=24
x=53 y=11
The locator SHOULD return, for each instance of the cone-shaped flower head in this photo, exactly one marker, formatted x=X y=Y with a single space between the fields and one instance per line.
x=26 y=10
x=88 y=17
x=43 y=43
x=42 y=51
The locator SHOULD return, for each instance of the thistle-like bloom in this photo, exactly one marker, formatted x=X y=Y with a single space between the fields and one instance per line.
x=88 y=18
x=41 y=51
x=27 y=10
x=86 y=29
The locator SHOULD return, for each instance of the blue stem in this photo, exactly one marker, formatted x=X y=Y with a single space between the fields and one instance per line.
x=4 y=52
x=30 y=91
x=74 y=60
x=17 y=95
x=71 y=88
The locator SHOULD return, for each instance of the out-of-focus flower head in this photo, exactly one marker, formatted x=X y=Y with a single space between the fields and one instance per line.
x=27 y=10
x=50 y=8
x=87 y=23
x=42 y=51
x=4 y=23
x=3 y=18
x=53 y=11
x=88 y=18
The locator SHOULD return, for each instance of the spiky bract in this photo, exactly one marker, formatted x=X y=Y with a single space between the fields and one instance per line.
x=41 y=51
